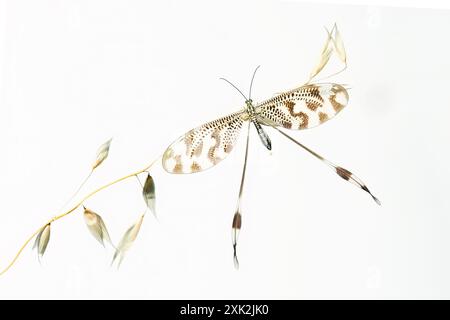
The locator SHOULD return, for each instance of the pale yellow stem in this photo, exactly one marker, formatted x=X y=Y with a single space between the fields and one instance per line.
x=72 y=210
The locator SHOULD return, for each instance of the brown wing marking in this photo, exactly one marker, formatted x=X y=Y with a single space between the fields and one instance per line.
x=305 y=107
x=203 y=147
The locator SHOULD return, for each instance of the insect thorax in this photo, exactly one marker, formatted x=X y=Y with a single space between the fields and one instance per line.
x=250 y=109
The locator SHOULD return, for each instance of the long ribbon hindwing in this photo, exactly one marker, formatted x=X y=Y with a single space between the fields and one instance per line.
x=305 y=107
x=203 y=147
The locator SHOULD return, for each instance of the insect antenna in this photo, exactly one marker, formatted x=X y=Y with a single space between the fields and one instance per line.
x=341 y=172
x=251 y=83
x=235 y=88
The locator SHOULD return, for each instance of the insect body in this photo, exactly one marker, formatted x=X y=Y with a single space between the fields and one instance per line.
x=304 y=107
x=251 y=113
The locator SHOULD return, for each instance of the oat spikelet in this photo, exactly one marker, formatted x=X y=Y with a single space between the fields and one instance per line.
x=42 y=240
x=148 y=192
x=97 y=226
x=102 y=154
x=127 y=240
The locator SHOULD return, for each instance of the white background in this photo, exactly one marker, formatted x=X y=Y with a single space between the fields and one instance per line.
x=74 y=73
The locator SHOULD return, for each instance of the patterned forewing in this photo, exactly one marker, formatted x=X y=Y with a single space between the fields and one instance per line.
x=203 y=147
x=305 y=107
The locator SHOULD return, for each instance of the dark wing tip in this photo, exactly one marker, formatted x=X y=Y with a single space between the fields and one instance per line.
x=236 y=262
x=364 y=187
x=235 y=258
x=376 y=199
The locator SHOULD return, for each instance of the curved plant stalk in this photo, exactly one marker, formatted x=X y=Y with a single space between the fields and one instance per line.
x=78 y=189
x=75 y=207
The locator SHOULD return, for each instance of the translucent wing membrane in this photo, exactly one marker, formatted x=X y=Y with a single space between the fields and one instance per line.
x=304 y=107
x=203 y=147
